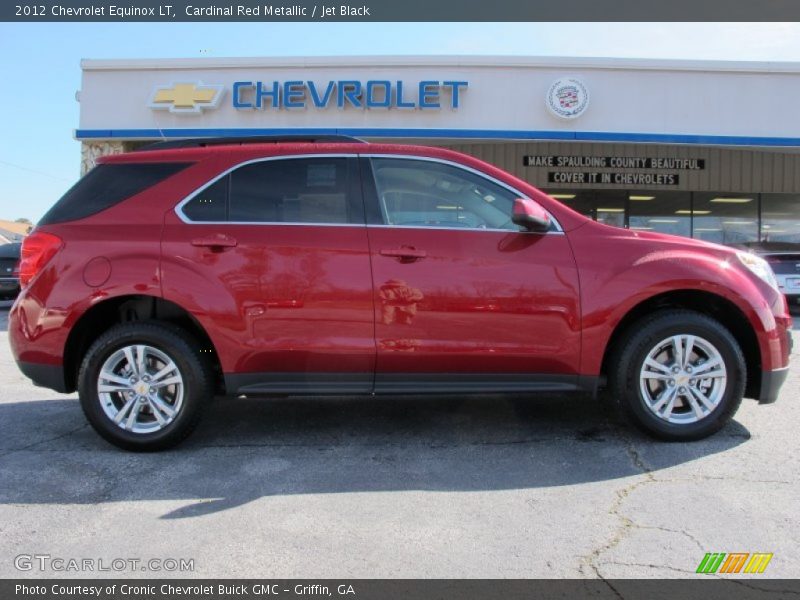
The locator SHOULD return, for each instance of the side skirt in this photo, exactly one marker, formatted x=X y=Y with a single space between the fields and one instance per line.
x=404 y=383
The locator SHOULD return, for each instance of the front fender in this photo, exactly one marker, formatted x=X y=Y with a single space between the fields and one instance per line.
x=632 y=271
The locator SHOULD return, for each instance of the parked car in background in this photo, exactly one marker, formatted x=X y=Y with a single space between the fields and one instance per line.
x=784 y=259
x=9 y=270
x=331 y=266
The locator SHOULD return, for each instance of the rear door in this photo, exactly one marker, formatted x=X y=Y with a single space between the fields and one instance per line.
x=273 y=259
x=464 y=300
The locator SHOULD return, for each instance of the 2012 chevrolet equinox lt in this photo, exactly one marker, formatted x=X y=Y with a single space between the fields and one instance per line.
x=330 y=266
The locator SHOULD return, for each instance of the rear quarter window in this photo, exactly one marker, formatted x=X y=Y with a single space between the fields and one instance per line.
x=107 y=185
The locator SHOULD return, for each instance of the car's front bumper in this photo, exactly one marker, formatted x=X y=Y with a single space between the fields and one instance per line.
x=9 y=286
x=771 y=382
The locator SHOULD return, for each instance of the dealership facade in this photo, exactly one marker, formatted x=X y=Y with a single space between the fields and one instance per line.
x=696 y=148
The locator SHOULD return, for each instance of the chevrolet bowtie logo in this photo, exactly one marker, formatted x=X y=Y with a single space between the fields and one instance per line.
x=186 y=98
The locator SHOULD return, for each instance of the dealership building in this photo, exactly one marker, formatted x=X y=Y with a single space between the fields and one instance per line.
x=707 y=149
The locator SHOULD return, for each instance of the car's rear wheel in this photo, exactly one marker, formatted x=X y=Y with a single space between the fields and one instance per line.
x=142 y=385
x=678 y=374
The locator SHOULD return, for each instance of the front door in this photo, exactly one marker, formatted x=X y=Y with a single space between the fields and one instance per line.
x=464 y=300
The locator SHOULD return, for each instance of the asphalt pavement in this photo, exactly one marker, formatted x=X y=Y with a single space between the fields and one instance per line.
x=400 y=487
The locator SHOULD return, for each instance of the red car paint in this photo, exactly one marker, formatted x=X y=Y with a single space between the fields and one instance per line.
x=385 y=303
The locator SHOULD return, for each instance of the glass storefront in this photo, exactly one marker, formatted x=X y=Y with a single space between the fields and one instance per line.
x=720 y=217
x=780 y=218
x=725 y=218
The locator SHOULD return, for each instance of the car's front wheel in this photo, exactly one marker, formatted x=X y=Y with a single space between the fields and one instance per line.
x=142 y=385
x=680 y=375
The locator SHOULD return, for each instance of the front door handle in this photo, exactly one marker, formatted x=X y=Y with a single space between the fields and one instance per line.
x=404 y=253
x=216 y=243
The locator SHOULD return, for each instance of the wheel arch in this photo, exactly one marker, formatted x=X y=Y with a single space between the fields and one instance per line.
x=131 y=308
x=706 y=303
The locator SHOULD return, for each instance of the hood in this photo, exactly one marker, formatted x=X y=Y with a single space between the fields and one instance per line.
x=676 y=241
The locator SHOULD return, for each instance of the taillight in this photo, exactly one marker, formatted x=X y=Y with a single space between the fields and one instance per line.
x=37 y=250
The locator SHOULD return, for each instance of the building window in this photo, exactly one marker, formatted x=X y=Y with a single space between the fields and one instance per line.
x=582 y=202
x=663 y=212
x=780 y=218
x=725 y=218
x=720 y=217
x=610 y=207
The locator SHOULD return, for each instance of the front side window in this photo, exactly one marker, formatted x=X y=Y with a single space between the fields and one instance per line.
x=302 y=190
x=417 y=193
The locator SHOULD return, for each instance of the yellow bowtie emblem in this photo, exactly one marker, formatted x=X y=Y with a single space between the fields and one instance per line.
x=186 y=97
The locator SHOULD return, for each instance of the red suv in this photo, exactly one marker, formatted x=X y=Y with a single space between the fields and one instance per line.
x=332 y=266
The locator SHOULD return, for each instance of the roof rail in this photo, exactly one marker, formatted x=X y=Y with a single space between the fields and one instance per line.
x=252 y=139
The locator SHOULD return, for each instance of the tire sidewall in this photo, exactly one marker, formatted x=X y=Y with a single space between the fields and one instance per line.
x=177 y=348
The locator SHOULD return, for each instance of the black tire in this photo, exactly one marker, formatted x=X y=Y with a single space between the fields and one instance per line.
x=177 y=345
x=628 y=357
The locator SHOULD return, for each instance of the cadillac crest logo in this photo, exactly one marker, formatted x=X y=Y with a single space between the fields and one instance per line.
x=567 y=98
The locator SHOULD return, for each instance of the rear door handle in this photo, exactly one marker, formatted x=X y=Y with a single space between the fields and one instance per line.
x=216 y=242
x=404 y=253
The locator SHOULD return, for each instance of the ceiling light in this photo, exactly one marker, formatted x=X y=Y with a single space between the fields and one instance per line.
x=663 y=220
x=642 y=198
x=738 y=222
x=611 y=210
x=732 y=200
x=562 y=196
x=692 y=212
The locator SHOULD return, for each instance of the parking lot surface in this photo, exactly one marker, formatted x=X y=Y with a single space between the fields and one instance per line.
x=489 y=486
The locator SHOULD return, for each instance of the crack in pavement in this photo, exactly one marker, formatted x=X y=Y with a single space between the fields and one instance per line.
x=626 y=524
x=41 y=442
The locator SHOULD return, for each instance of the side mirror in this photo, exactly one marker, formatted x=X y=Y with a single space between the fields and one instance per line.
x=530 y=215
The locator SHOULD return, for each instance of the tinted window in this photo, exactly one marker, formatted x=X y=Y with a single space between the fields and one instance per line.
x=209 y=204
x=107 y=185
x=312 y=190
x=416 y=193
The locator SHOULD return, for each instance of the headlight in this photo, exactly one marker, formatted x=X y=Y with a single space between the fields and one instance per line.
x=759 y=267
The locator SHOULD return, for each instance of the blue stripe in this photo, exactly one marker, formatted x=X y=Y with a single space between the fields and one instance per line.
x=481 y=134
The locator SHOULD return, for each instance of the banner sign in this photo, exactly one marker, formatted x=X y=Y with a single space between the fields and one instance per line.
x=615 y=162
x=636 y=179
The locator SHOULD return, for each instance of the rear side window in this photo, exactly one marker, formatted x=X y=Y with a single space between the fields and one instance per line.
x=302 y=190
x=210 y=204
x=107 y=185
